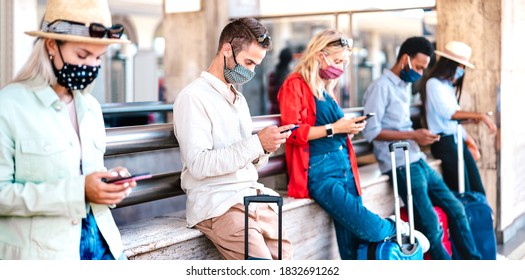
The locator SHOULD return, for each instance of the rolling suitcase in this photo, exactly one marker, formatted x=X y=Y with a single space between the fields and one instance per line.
x=396 y=247
x=478 y=211
x=263 y=198
x=443 y=222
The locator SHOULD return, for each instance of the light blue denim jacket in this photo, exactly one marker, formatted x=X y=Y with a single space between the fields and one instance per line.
x=42 y=199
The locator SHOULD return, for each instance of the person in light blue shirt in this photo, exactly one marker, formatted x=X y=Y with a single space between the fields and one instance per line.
x=389 y=98
x=442 y=111
x=53 y=201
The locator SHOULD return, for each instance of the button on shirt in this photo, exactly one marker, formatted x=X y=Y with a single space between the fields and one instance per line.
x=389 y=98
x=220 y=155
x=441 y=104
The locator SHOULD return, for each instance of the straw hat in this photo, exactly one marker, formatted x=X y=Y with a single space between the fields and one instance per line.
x=70 y=21
x=457 y=51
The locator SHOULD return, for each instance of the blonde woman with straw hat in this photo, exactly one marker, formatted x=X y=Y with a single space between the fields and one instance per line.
x=54 y=203
x=441 y=94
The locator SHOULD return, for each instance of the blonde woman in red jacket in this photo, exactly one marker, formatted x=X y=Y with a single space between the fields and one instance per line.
x=320 y=158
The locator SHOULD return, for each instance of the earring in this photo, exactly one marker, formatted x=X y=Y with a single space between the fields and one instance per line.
x=50 y=56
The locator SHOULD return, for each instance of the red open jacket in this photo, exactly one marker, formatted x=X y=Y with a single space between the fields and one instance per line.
x=297 y=106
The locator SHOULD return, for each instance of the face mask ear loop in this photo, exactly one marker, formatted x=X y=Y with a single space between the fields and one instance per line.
x=60 y=53
x=325 y=59
x=234 y=60
x=409 y=64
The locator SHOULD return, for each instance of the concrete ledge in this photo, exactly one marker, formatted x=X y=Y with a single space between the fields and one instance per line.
x=168 y=238
x=307 y=225
x=165 y=238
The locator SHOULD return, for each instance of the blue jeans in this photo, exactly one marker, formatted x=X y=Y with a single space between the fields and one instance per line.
x=428 y=190
x=331 y=184
x=92 y=243
x=447 y=151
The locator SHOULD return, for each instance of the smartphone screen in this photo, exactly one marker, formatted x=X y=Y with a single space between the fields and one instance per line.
x=369 y=115
x=292 y=129
x=122 y=180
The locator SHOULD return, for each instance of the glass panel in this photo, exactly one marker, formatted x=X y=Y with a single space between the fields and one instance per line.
x=377 y=39
x=288 y=35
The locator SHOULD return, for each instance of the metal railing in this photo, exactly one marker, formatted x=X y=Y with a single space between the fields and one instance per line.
x=154 y=148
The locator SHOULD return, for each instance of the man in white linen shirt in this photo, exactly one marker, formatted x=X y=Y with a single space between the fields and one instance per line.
x=220 y=155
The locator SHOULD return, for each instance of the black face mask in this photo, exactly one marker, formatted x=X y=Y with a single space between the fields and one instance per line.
x=75 y=77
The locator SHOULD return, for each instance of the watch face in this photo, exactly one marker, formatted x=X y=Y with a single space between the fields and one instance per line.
x=329 y=130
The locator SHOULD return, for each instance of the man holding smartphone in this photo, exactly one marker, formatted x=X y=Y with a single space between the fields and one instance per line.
x=389 y=98
x=220 y=155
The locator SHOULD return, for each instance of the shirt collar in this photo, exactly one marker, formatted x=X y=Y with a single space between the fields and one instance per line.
x=220 y=86
x=395 y=78
x=48 y=97
x=43 y=92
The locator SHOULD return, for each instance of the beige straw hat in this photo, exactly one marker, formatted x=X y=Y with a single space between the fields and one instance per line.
x=457 y=51
x=87 y=21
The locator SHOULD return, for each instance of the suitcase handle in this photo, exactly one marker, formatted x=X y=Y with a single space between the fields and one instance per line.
x=263 y=198
x=397 y=145
x=402 y=145
x=461 y=160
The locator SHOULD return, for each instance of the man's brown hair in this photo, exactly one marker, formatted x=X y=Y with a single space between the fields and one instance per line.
x=242 y=32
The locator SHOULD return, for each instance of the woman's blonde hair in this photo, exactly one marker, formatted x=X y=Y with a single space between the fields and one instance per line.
x=38 y=66
x=328 y=41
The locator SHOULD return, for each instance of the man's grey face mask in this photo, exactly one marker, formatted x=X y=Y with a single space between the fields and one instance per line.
x=239 y=74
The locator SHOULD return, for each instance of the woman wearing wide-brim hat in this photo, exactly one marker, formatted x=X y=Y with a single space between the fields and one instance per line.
x=54 y=203
x=441 y=94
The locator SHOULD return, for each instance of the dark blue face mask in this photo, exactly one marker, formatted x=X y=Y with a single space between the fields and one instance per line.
x=411 y=75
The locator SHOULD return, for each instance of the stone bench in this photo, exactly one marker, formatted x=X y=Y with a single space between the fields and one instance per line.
x=152 y=220
x=309 y=228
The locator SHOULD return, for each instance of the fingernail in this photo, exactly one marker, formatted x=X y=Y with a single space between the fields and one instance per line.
x=123 y=173
x=114 y=174
x=126 y=185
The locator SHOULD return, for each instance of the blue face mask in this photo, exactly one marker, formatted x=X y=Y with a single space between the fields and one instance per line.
x=411 y=75
x=459 y=73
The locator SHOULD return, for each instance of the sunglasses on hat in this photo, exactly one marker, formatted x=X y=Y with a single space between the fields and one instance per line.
x=99 y=31
x=95 y=30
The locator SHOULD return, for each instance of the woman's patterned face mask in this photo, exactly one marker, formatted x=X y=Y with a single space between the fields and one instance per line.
x=75 y=77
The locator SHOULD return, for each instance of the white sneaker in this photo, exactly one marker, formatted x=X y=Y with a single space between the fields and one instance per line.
x=422 y=240
x=405 y=230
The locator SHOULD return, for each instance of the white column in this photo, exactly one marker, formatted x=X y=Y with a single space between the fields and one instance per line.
x=15 y=46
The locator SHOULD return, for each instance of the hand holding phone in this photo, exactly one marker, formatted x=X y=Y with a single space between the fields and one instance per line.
x=122 y=180
x=291 y=129
x=369 y=115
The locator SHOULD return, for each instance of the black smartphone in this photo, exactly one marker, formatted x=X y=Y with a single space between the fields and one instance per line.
x=291 y=129
x=369 y=115
x=122 y=180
